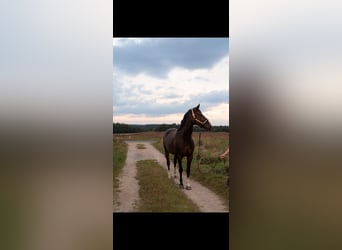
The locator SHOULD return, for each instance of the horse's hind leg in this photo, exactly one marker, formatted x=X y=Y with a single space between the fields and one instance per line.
x=175 y=166
x=167 y=156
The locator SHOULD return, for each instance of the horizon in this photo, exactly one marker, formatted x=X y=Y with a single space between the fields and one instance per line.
x=146 y=124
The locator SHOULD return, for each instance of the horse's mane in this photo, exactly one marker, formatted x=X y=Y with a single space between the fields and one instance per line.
x=183 y=121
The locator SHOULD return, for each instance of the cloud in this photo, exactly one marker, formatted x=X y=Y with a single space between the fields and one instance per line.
x=213 y=97
x=152 y=108
x=158 y=56
x=217 y=115
x=136 y=104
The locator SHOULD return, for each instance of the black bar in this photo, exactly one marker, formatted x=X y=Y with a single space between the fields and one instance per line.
x=171 y=18
x=170 y=230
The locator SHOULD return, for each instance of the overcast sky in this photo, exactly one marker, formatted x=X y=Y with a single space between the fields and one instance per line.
x=156 y=80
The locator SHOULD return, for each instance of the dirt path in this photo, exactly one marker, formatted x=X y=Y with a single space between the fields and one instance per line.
x=206 y=200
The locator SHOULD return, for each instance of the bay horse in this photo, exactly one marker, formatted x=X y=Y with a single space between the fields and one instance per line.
x=179 y=142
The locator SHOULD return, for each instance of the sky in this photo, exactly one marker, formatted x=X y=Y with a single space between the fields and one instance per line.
x=157 y=80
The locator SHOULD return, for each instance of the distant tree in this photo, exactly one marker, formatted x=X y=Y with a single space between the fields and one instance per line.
x=126 y=128
x=164 y=127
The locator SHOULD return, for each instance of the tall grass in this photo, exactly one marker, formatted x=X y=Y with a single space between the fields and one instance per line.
x=119 y=158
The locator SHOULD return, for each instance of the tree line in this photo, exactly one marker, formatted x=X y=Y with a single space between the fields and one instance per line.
x=135 y=128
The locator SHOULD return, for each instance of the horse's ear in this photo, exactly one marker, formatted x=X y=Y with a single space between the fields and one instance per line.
x=197 y=107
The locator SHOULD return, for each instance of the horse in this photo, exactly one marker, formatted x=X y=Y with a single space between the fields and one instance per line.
x=179 y=142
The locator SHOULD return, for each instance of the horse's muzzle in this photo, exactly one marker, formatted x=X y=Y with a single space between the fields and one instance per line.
x=207 y=125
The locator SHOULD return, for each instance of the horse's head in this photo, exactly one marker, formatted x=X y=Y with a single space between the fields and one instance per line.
x=199 y=119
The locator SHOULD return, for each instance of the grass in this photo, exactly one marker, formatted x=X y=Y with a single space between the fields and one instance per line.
x=119 y=158
x=158 y=193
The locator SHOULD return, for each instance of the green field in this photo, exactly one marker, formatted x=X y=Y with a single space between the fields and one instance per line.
x=157 y=194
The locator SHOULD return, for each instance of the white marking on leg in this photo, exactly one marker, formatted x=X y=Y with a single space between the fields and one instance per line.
x=188 y=186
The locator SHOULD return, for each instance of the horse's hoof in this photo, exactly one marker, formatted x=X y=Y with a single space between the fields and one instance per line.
x=175 y=177
x=188 y=187
x=181 y=186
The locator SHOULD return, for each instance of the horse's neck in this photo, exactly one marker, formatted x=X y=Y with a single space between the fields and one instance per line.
x=186 y=130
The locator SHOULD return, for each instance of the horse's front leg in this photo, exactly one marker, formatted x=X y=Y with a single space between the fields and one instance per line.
x=188 y=165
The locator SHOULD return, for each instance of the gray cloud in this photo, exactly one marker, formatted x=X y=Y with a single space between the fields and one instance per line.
x=158 y=56
x=213 y=97
x=151 y=108
x=139 y=106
